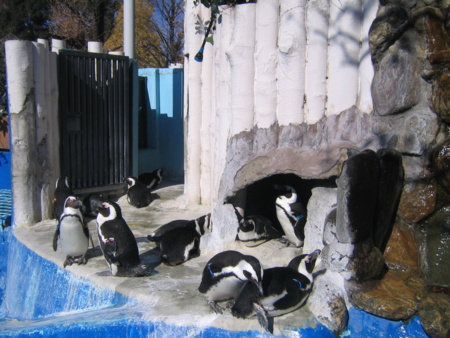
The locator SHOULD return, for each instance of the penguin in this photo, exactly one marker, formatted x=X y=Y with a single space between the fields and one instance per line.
x=225 y=275
x=89 y=209
x=117 y=242
x=256 y=228
x=73 y=233
x=291 y=214
x=151 y=180
x=180 y=244
x=62 y=191
x=202 y=224
x=137 y=195
x=285 y=289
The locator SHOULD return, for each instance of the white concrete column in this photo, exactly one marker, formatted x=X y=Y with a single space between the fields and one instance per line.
x=95 y=47
x=266 y=58
x=222 y=93
x=193 y=110
x=20 y=81
x=291 y=62
x=366 y=70
x=58 y=44
x=343 y=55
x=205 y=129
x=241 y=56
x=317 y=22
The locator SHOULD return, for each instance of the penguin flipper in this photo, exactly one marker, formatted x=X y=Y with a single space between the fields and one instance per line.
x=55 y=239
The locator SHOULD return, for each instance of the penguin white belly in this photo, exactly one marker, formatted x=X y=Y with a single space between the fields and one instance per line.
x=226 y=288
x=188 y=249
x=287 y=227
x=247 y=236
x=74 y=242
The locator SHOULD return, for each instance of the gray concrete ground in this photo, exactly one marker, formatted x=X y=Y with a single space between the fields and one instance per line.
x=170 y=294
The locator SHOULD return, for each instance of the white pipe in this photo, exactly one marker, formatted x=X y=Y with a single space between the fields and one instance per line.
x=343 y=56
x=291 y=62
x=241 y=56
x=129 y=28
x=318 y=13
x=267 y=15
x=95 y=47
x=58 y=44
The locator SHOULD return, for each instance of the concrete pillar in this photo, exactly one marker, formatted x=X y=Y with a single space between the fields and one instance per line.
x=21 y=93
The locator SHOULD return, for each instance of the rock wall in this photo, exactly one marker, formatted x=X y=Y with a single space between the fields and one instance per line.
x=390 y=258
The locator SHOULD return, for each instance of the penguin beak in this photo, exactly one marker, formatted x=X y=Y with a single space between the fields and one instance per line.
x=258 y=285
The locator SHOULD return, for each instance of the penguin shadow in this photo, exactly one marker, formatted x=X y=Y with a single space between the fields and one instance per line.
x=154 y=197
x=93 y=252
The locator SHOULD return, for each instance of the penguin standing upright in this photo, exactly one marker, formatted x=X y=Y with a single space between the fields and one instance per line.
x=62 y=191
x=285 y=289
x=225 y=275
x=179 y=244
x=73 y=233
x=151 y=180
x=137 y=195
x=117 y=242
x=291 y=214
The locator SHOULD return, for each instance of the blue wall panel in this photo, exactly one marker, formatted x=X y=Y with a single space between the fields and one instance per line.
x=164 y=90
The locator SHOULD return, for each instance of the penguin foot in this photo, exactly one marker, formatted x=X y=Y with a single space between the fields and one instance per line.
x=230 y=303
x=69 y=261
x=215 y=307
x=82 y=260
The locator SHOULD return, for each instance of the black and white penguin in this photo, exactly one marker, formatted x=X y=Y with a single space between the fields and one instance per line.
x=202 y=224
x=291 y=214
x=89 y=201
x=117 y=242
x=151 y=180
x=180 y=244
x=73 y=233
x=225 y=275
x=62 y=191
x=137 y=195
x=285 y=289
x=255 y=228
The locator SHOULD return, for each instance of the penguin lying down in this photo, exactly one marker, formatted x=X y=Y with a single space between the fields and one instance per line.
x=285 y=289
x=255 y=230
x=179 y=240
x=226 y=273
x=117 y=242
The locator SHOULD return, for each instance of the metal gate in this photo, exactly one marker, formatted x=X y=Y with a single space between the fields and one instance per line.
x=95 y=118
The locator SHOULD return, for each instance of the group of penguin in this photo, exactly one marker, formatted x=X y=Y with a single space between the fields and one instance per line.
x=228 y=276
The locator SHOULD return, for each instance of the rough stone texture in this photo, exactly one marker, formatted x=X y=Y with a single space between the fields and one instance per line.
x=441 y=162
x=327 y=302
x=357 y=197
x=418 y=200
x=258 y=153
x=409 y=133
x=401 y=251
x=329 y=231
x=395 y=297
x=396 y=85
x=429 y=22
x=435 y=248
x=386 y=29
x=389 y=190
x=321 y=202
x=434 y=312
x=354 y=262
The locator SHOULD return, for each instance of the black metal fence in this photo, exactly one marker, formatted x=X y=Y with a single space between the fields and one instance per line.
x=95 y=118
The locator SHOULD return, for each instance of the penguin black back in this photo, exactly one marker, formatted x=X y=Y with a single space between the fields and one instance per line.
x=62 y=191
x=152 y=179
x=137 y=195
x=117 y=242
